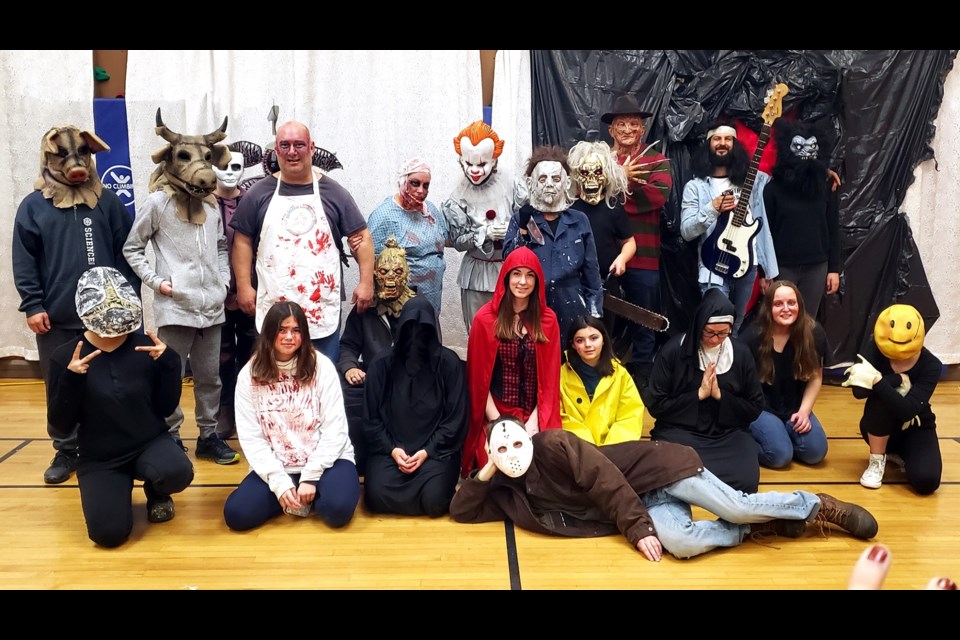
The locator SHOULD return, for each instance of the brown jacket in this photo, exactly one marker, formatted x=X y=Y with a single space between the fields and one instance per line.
x=574 y=488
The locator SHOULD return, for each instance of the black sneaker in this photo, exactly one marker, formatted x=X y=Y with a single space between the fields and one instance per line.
x=160 y=510
x=214 y=448
x=61 y=467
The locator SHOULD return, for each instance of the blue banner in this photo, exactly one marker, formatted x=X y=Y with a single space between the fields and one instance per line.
x=110 y=123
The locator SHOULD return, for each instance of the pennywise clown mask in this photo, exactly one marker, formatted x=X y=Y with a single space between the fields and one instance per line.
x=510 y=448
x=390 y=275
x=230 y=177
x=547 y=186
x=477 y=161
x=805 y=148
x=591 y=179
x=107 y=304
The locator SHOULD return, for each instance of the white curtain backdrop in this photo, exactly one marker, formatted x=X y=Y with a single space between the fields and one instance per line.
x=931 y=204
x=511 y=110
x=41 y=89
x=374 y=109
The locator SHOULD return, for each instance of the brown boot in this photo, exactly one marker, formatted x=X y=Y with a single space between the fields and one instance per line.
x=850 y=517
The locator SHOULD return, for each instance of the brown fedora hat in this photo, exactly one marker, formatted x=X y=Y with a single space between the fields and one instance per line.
x=624 y=106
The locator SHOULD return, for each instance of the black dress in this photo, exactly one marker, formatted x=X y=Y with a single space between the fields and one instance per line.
x=718 y=430
x=416 y=398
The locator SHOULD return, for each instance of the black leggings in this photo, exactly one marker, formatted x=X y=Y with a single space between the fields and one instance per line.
x=917 y=445
x=105 y=493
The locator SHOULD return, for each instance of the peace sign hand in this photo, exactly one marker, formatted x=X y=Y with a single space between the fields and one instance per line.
x=157 y=349
x=78 y=364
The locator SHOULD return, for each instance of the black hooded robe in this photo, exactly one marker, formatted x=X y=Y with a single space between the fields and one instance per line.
x=416 y=398
x=718 y=430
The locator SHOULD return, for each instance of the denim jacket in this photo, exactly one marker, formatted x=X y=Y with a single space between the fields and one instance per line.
x=698 y=218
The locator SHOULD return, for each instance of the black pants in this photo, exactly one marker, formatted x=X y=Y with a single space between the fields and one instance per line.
x=46 y=345
x=105 y=491
x=917 y=445
x=353 y=399
x=237 y=337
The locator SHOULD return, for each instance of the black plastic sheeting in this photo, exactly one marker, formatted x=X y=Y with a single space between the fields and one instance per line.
x=880 y=105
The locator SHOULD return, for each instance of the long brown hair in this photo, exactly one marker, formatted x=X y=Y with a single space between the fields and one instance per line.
x=806 y=360
x=263 y=368
x=604 y=365
x=531 y=317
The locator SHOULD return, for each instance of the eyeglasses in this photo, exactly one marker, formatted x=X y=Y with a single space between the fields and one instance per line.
x=298 y=146
x=715 y=334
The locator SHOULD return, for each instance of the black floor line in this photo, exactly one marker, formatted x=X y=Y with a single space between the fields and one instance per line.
x=14 y=450
x=513 y=562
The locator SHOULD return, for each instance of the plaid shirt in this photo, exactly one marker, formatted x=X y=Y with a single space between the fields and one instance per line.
x=515 y=374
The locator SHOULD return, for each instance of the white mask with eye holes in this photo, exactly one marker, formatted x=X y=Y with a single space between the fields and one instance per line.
x=510 y=448
x=230 y=176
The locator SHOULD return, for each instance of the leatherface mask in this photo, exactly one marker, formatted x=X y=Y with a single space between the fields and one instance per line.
x=547 y=186
x=805 y=148
x=391 y=275
x=591 y=180
x=510 y=448
x=230 y=177
x=107 y=304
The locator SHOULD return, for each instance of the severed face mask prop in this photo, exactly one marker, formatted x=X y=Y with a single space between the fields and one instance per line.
x=510 y=448
x=391 y=275
x=548 y=186
x=107 y=304
x=591 y=180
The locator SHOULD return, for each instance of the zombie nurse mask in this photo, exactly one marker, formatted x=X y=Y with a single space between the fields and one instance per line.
x=107 y=304
x=391 y=274
x=510 y=448
x=230 y=177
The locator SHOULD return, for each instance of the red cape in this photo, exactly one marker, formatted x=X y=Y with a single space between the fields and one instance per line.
x=482 y=354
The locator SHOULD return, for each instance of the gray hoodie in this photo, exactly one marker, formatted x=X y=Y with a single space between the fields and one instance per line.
x=192 y=257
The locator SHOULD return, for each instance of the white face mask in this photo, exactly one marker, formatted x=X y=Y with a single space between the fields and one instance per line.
x=548 y=186
x=510 y=448
x=230 y=176
x=477 y=162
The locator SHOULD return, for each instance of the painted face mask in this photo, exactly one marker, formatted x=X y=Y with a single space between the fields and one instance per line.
x=390 y=275
x=547 y=186
x=805 y=148
x=591 y=179
x=510 y=448
x=107 y=304
x=478 y=146
x=230 y=177
x=899 y=332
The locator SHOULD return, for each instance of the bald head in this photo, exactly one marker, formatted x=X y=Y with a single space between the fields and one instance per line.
x=294 y=153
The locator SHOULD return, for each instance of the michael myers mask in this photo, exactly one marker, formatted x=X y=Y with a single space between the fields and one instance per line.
x=547 y=186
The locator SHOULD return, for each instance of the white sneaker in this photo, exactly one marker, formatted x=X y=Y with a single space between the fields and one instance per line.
x=872 y=478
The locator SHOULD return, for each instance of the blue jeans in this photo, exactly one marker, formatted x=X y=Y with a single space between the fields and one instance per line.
x=642 y=288
x=738 y=290
x=329 y=346
x=253 y=503
x=779 y=443
x=683 y=537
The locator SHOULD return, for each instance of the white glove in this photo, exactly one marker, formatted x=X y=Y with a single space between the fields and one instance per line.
x=905 y=386
x=496 y=230
x=862 y=374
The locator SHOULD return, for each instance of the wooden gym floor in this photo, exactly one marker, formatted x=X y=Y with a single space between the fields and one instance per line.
x=43 y=542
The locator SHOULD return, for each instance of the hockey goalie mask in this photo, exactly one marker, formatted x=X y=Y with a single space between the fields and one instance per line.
x=510 y=447
x=230 y=177
x=391 y=275
x=479 y=147
x=107 y=304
